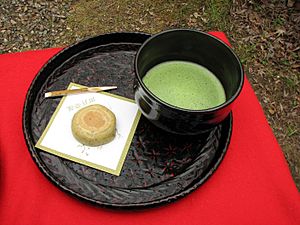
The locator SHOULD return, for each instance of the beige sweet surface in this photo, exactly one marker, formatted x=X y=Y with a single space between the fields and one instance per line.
x=94 y=125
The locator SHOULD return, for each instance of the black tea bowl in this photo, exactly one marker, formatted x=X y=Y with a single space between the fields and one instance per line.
x=193 y=46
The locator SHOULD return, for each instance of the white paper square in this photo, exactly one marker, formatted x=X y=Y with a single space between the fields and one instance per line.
x=58 y=139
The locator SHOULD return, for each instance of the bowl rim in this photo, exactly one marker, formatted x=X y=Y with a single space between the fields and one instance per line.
x=213 y=109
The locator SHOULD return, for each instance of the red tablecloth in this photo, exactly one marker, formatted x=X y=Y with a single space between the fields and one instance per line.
x=252 y=185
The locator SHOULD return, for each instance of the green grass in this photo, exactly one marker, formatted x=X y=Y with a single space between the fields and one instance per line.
x=290 y=81
x=246 y=52
x=93 y=17
x=285 y=62
x=218 y=13
x=278 y=21
x=291 y=130
x=101 y=16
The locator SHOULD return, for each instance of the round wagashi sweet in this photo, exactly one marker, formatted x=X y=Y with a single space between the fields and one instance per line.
x=94 y=125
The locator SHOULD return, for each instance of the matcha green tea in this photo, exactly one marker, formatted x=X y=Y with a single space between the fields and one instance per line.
x=185 y=84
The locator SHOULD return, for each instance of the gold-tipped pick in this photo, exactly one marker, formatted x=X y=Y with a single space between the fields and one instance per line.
x=78 y=91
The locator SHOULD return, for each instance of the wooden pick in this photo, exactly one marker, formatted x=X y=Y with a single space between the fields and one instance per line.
x=78 y=91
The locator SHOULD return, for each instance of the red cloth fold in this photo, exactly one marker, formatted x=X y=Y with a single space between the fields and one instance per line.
x=252 y=185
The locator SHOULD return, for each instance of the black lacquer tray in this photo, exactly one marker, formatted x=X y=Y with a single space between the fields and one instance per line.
x=159 y=168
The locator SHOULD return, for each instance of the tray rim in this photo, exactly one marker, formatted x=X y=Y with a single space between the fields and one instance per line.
x=43 y=168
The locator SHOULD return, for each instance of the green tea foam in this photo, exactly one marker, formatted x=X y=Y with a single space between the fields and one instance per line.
x=185 y=85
